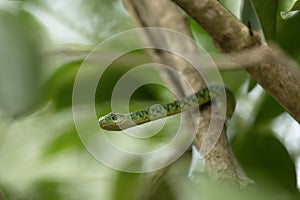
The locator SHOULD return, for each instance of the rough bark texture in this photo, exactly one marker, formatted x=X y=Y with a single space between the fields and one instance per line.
x=220 y=162
x=229 y=34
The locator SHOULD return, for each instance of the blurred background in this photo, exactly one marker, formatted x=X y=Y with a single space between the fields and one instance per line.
x=42 y=45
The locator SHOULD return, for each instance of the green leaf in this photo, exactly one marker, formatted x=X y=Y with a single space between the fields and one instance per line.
x=47 y=189
x=293 y=11
x=266 y=161
x=234 y=79
x=127 y=183
x=288 y=36
x=37 y=30
x=252 y=83
x=59 y=87
x=232 y=5
x=262 y=15
x=117 y=70
x=68 y=139
x=125 y=186
x=269 y=109
x=284 y=32
x=20 y=66
x=3 y=193
x=296 y=6
x=268 y=12
x=249 y=15
x=289 y=14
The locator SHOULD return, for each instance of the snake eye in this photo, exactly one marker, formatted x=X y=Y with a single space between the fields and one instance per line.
x=114 y=116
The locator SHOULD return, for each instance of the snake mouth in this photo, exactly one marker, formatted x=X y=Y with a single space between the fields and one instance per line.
x=109 y=126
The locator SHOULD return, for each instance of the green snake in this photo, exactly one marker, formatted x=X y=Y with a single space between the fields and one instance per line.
x=117 y=121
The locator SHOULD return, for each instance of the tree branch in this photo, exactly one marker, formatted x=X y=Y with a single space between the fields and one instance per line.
x=143 y=13
x=230 y=35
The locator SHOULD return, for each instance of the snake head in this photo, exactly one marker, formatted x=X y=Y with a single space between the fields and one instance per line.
x=113 y=121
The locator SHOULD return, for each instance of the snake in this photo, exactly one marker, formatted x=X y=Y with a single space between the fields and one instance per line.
x=118 y=121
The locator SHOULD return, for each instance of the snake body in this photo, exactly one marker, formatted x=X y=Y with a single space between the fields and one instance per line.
x=117 y=121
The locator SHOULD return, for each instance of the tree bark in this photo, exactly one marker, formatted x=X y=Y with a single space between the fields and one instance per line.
x=164 y=14
x=230 y=35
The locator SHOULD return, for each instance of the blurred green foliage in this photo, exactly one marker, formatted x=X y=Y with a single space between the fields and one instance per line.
x=269 y=163
x=20 y=64
x=41 y=155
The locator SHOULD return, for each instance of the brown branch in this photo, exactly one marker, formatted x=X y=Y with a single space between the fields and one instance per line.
x=164 y=14
x=230 y=35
